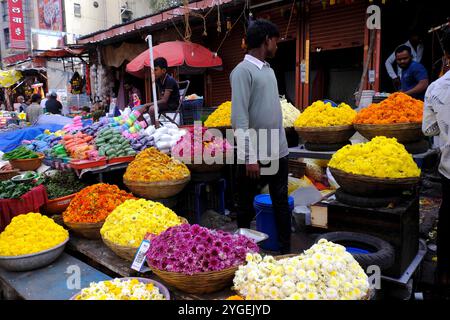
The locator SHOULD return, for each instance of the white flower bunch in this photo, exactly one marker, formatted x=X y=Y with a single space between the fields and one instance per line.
x=324 y=272
x=118 y=289
x=290 y=113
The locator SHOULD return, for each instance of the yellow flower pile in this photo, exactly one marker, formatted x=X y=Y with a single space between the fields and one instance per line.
x=118 y=289
x=380 y=158
x=128 y=224
x=151 y=165
x=31 y=233
x=221 y=117
x=320 y=114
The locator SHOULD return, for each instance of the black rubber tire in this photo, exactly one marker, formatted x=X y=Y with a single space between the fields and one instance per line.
x=418 y=147
x=320 y=147
x=365 y=202
x=383 y=255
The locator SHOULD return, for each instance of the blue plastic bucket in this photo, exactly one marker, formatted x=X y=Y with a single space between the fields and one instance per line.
x=265 y=220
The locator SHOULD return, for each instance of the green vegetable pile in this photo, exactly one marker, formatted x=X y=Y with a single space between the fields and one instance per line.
x=12 y=190
x=21 y=152
x=112 y=144
x=62 y=184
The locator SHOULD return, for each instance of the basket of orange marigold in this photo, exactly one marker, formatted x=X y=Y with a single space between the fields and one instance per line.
x=89 y=208
x=154 y=175
x=399 y=116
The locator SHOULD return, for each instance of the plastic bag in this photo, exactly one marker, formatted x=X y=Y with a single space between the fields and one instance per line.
x=162 y=145
x=165 y=138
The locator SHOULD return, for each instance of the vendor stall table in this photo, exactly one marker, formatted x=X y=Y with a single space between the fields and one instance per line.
x=96 y=253
x=301 y=152
x=101 y=170
x=49 y=283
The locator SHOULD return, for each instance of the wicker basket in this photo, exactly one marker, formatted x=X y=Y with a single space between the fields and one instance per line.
x=58 y=205
x=404 y=132
x=205 y=282
x=157 y=190
x=28 y=164
x=370 y=186
x=326 y=135
x=128 y=252
x=86 y=230
x=7 y=175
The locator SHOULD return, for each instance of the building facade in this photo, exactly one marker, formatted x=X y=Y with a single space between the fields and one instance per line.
x=9 y=55
x=87 y=16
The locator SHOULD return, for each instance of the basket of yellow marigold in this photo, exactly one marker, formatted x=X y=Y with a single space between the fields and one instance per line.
x=154 y=175
x=126 y=227
x=90 y=207
x=321 y=123
x=381 y=167
x=31 y=241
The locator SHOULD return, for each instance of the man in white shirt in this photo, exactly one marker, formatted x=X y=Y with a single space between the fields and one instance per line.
x=436 y=122
x=417 y=48
x=44 y=101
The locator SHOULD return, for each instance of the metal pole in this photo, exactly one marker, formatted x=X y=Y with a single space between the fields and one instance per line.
x=152 y=71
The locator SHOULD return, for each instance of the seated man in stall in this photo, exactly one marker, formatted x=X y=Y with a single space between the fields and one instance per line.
x=414 y=78
x=168 y=90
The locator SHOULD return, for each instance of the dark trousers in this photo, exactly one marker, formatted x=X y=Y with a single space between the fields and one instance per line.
x=443 y=236
x=278 y=188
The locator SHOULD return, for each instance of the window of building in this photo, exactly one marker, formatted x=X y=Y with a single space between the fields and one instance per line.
x=7 y=40
x=5 y=10
x=77 y=9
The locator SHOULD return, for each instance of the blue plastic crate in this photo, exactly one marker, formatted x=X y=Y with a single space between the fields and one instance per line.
x=192 y=110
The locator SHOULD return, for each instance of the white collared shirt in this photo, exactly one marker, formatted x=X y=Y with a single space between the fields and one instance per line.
x=436 y=118
x=416 y=55
x=260 y=64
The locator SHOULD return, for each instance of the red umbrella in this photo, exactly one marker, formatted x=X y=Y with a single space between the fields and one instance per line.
x=178 y=54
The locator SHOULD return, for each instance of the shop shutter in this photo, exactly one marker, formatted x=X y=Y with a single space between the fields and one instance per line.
x=337 y=27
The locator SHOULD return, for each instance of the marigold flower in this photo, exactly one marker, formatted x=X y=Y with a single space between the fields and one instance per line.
x=398 y=108
x=31 y=233
x=151 y=165
x=94 y=203
x=321 y=114
x=381 y=158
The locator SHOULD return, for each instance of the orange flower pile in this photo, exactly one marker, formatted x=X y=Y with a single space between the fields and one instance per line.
x=235 y=298
x=398 y=108
x=94 y=203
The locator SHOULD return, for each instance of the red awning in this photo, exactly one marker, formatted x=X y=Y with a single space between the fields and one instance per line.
x=177 y=54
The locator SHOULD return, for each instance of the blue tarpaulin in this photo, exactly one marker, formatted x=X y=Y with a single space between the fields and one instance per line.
x=11 y=140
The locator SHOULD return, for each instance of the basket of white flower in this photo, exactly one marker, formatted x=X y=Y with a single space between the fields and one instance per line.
x=324 y=272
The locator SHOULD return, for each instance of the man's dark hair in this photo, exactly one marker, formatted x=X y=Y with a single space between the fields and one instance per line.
x=446 y=40
x=260 y=30
x=35 y=98
x=403 y=48
x=161 y=63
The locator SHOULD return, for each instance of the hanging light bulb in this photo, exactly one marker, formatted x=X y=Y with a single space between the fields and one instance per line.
x=228 y=23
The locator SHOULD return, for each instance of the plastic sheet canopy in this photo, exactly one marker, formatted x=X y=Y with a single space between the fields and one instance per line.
x=9 y=78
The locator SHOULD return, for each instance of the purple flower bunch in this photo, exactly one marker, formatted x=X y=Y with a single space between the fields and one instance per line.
x=192 y=249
